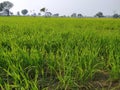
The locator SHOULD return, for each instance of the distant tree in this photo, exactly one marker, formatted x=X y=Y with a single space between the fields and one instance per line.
x=80 y=15
x=18 y=13
x=7 y=11
x=6 y=6
x=56 y=15
x=34 y=14
x=43 y=10
x=63 y=16
x=24 y=11
x=48 y=14
x=39 y=14
x=74 y=15
x=99 y=14
x=11 y=13
x=116 y=16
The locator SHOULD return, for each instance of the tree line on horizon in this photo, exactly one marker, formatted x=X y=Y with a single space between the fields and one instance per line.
x=6 y=6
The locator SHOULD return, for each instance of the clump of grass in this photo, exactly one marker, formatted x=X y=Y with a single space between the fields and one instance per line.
x=59 y=53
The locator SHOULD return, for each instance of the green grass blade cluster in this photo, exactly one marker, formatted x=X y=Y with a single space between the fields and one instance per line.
x=58 y=53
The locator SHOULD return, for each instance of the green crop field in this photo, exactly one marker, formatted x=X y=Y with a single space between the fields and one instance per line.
x=59 y=53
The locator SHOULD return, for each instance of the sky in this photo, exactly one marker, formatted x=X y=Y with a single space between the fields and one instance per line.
x=67 y=7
